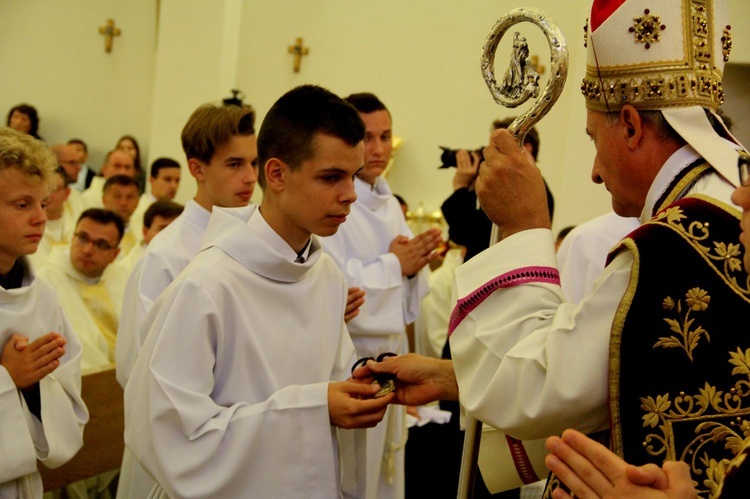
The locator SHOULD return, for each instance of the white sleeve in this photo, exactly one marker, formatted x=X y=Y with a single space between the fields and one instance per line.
x=59 y=435
x=526 y=362
x=391 y=300
x=153 y=273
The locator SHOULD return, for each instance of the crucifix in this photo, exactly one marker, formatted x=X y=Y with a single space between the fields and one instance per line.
x=110 y=32
x=298 y=50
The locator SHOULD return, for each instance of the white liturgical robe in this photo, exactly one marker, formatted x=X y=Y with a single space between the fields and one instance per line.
x=33 y=311
x=528 y=362
x=361 y=250
x=583 y=252
x=136 y=219
x=229 y=395
x=92 y=197
x=165 y=257
x=56 y=233
x=92 y=306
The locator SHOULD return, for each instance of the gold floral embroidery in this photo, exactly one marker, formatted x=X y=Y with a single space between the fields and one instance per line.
x=715 y=472
x=734 y=465
x=715 y=417
x=726 y=256
x=696 y=300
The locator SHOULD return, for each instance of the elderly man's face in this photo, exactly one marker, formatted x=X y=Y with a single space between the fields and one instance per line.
x=119 y=163
x=614 y=165
x=70 y=160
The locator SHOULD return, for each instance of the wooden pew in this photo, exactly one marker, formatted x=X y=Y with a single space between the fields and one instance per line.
x=103 y=442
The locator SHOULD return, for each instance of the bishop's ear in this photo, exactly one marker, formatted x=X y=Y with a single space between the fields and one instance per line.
x=632 y=125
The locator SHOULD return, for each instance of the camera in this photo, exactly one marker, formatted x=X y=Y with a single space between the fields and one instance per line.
x=448 y=156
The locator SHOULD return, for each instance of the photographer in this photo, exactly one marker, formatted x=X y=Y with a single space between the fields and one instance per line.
x=468 y=224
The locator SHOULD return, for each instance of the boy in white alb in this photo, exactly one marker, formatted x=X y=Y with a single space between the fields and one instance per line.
x=41 y=411
x=239 y=391
x=220 y=147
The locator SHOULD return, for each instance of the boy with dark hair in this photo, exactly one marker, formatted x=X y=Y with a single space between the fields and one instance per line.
x=158 y=216
x=257 y=317
x=164 y=180
x=41 y=411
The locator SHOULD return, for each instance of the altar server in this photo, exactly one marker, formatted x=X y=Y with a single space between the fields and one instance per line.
x=239 y=391
x=41 y=411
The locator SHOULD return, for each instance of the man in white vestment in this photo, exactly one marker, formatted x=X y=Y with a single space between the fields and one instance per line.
x=239 y=391
x=60 y=221
x=530 y=363
x=164 y=180
x=221 y=151
x=116 y=163
x=378 y=253
x=120 y=195
x=41 y=410
x=89 y=286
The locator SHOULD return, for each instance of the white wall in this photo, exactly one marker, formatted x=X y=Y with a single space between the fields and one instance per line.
x=420 y=56
x=422 y=59
x=53 y=58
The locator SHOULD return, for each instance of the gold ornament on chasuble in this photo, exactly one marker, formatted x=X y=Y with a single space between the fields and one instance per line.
x=679 y=359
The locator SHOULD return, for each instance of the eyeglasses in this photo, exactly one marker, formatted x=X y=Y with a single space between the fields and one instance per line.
x=82 y=239
x=744 y=165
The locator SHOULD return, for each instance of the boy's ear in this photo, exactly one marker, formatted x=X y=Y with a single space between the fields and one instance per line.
x=275 y=171
x=196 y=167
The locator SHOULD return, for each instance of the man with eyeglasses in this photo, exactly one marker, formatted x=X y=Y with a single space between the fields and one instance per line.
x=90 y=290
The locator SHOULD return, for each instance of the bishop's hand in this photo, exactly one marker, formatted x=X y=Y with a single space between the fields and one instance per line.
x=510 y=187
x=419 y=379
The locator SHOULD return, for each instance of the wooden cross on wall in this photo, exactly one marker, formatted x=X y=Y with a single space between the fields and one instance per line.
x=298 y=50
x=110 y=32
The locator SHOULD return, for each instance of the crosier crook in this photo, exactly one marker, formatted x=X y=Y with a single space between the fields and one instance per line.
x=520 y=83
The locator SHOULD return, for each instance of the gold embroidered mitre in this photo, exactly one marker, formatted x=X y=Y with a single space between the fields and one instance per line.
x=656 y=54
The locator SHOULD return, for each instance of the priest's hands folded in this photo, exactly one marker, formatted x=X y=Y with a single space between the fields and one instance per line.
x=352 y=404
x=419 y=379
x=27 y=363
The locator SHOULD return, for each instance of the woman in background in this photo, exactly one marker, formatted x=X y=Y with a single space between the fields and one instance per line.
x=25 y=119
x=129 y=145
